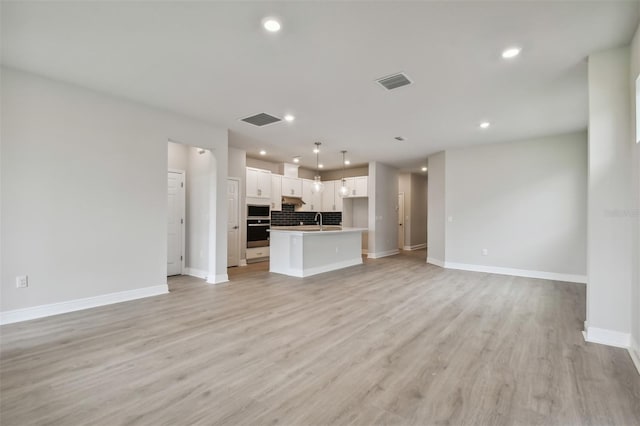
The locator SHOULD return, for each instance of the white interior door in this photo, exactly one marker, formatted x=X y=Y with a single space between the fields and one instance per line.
x=233 y=224
x=175 y=224
x=401 y=220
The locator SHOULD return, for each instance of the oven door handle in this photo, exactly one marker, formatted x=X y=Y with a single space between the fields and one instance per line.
x=258 y=224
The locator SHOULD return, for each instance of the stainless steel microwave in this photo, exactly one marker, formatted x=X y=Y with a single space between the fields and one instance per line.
x=258 y=211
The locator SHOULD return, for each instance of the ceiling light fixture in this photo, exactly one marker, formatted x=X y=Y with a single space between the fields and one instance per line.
x=289 y=117
x=321 y=166
x=511 y=52
x=263 y=152
x=424 y=169
x=347 y=162
x=271 y=25
x=485 y=125
x=344 y=190
x=296 y=159
x=317 y=185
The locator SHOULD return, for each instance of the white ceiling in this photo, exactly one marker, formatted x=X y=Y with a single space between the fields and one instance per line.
x=214 y=61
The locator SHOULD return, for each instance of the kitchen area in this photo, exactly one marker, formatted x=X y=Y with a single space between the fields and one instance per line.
x=301 y=225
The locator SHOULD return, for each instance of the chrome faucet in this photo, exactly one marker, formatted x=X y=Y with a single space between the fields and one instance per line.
x=316 y=219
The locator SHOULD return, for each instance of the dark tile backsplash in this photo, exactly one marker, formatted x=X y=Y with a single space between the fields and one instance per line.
x=289 y=217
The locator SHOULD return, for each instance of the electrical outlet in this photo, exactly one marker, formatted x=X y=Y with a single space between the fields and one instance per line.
x=22 y=281
x=485 y=252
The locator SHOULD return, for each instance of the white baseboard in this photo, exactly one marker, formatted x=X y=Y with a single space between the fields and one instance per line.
x=414 y=247
x=383 y=254
x=41 y=311
x=634 y=351
x=434 y=261
x=198 y=273
x=582 y=279
x=607 y=337
x=243 y=262
x=219 y=279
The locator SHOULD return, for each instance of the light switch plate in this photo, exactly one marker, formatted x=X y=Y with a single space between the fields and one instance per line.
x=22 y=281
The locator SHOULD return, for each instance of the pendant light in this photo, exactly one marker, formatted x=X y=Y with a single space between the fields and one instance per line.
x=344 y=190
x=317 y=185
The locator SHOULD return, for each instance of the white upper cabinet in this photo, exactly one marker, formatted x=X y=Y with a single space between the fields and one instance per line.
x=276 y=192
x=291 y=187
x=357 y=186
x=313 y=201
x=361 y=186
x=258 y=183
x=331 y=200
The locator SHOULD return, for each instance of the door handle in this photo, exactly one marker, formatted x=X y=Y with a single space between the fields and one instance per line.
x=235 y=227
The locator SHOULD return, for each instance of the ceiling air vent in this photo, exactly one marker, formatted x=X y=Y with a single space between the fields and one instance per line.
x=394 y=81
x=261 y=119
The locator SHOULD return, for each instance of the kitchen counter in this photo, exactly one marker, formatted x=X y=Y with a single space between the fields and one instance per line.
x=302 y=251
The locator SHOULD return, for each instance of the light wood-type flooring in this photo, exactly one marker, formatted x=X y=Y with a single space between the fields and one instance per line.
x=392 y=341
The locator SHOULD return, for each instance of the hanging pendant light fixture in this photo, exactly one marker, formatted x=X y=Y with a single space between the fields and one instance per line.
x=344 y=190
x=317 y=185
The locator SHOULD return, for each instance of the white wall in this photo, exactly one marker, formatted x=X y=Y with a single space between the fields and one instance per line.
x=177 y=156
x=609 y=228
x=383 y=214
x=523 y=201
x=238 y=169
x=436 y=216
x=635 y=196
x=84 y=186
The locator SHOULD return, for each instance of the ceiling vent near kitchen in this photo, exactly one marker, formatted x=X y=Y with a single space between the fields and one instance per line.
x=394 y=81
x=261 y=119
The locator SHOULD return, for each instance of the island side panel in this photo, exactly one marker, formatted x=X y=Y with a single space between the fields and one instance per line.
x=325 y=252
x=286 y=254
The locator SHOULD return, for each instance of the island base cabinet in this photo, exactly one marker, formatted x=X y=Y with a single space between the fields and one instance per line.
x=304 y=254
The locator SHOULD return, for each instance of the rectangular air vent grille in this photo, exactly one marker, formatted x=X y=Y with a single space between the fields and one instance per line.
x=261 y=119
x=394 y=81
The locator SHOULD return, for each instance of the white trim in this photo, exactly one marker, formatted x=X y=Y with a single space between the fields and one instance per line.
x=383 y=254
x=302 y=273
x=634 y=351
x=415 y=247
x=607 y=337
x=434 y=261
x=571 y=278
x=219 y=279
x=41 y=311
x=243 y=262
x=198 y=273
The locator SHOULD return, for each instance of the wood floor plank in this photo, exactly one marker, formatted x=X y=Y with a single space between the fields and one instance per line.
x=392 y=341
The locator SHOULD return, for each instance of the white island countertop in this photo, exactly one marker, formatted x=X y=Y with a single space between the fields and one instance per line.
x=302 y=251
x=315 y=229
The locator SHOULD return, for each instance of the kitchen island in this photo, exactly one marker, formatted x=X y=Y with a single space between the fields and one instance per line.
x=302 y=251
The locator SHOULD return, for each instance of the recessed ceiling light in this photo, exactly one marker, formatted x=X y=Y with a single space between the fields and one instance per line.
x=424 y=169
x=296 y=159
x=347 y=162
x=320 y=166
x=271 y=25
x=511 y=52
x=485 y=125
x=289 y=117
x=263 y=152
